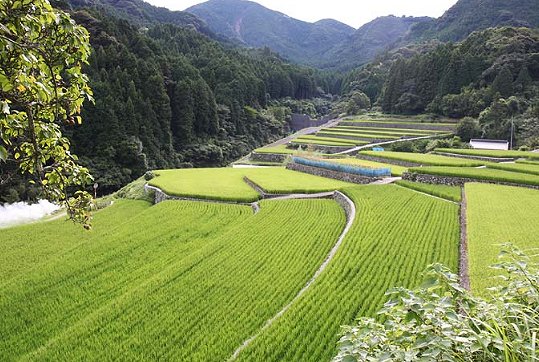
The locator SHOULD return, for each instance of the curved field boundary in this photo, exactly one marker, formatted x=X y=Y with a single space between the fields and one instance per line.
x=350 y=210
x=160 y=196
x=426 y=194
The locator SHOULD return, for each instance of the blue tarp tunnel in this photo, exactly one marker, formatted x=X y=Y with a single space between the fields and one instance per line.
x=362 y=171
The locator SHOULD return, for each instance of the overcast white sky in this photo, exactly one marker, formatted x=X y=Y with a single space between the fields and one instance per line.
x=351 y=12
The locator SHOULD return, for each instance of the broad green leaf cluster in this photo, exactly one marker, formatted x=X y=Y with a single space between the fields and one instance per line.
x=42 y=87
x=441 y=321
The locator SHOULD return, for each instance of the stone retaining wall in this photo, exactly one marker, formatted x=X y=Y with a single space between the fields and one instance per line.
x=388 y=160
x=342 y=176
x=342 y=200
x=455 y=181
x=478 y=158
x=267 y=157
x=326 y=149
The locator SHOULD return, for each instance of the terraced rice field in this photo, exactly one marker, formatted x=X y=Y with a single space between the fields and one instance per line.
x=491 y=153
x=451 y=193
x=486 y=174
x=424 y=132
x=423 y=158
x=227 y=184
x=282 y=149
x=327 y=141
x=443 y=127
x=395 y=170
x=359 y=136
x=532 y=169
x=497 y=215
x=176 y=281
x=396 y=234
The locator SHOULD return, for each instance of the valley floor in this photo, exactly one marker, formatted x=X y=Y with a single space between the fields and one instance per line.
x=213 y=281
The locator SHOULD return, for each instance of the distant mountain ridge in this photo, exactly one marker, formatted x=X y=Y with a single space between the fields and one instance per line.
x=467 y=16
x=326 y=43
x=256 y=26
x=143 y=13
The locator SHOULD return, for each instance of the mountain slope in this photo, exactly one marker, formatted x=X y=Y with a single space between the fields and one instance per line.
x=370 y=40
x=142 y=13
x=257 y=26
x=467 y=16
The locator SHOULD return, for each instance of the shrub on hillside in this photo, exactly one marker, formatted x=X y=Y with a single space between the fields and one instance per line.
x=441 y=321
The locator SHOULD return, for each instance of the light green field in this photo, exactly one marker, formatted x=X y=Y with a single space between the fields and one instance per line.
x=528 y=162
x=491 y=153
x=425 y=132
x=224 y=184
x=480 y=174
x=387 y=132
x=397 y=233
x=282 y=149
x=358 y=135
x=497 y=215
x=177 y=281
x=328 y=141
x=227 y=184
x=423 y=158
x=395 y=170
x=398 y=124
x=532 y=169
x=451 y=193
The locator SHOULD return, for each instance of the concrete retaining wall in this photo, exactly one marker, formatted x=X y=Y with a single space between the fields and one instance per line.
x=347 y=177
x=301 y=121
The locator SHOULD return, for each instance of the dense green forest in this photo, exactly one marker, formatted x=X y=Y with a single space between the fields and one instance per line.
x=171 y=97
x=492 y=76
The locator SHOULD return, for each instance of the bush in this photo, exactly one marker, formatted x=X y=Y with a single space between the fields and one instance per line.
x=149 y=175
x=441 y=321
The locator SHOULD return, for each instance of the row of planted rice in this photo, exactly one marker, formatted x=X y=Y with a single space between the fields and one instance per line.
x=366 y=131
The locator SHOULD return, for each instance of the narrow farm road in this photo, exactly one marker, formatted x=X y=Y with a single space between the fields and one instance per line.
x=371 y=145
x=303 y=132
x=350 y=210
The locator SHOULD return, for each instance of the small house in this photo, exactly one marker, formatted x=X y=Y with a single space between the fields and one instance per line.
x=483 y=144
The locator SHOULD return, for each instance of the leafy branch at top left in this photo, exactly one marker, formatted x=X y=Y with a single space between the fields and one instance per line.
x=42 y=87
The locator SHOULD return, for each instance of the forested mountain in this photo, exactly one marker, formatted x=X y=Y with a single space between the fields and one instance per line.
x=256 y=26
x=141 y=13
x=167 y=96
x=467 y=16
x=369 y=40
x=493 y=75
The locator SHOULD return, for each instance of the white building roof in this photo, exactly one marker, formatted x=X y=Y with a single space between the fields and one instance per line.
x=489 y=144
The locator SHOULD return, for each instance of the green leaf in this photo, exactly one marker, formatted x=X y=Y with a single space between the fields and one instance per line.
x=3 y=154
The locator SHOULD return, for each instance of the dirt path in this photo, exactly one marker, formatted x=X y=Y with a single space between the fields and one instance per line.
x=303 y=132
x=386 y=181
x=370 y=145
x=350 y=210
